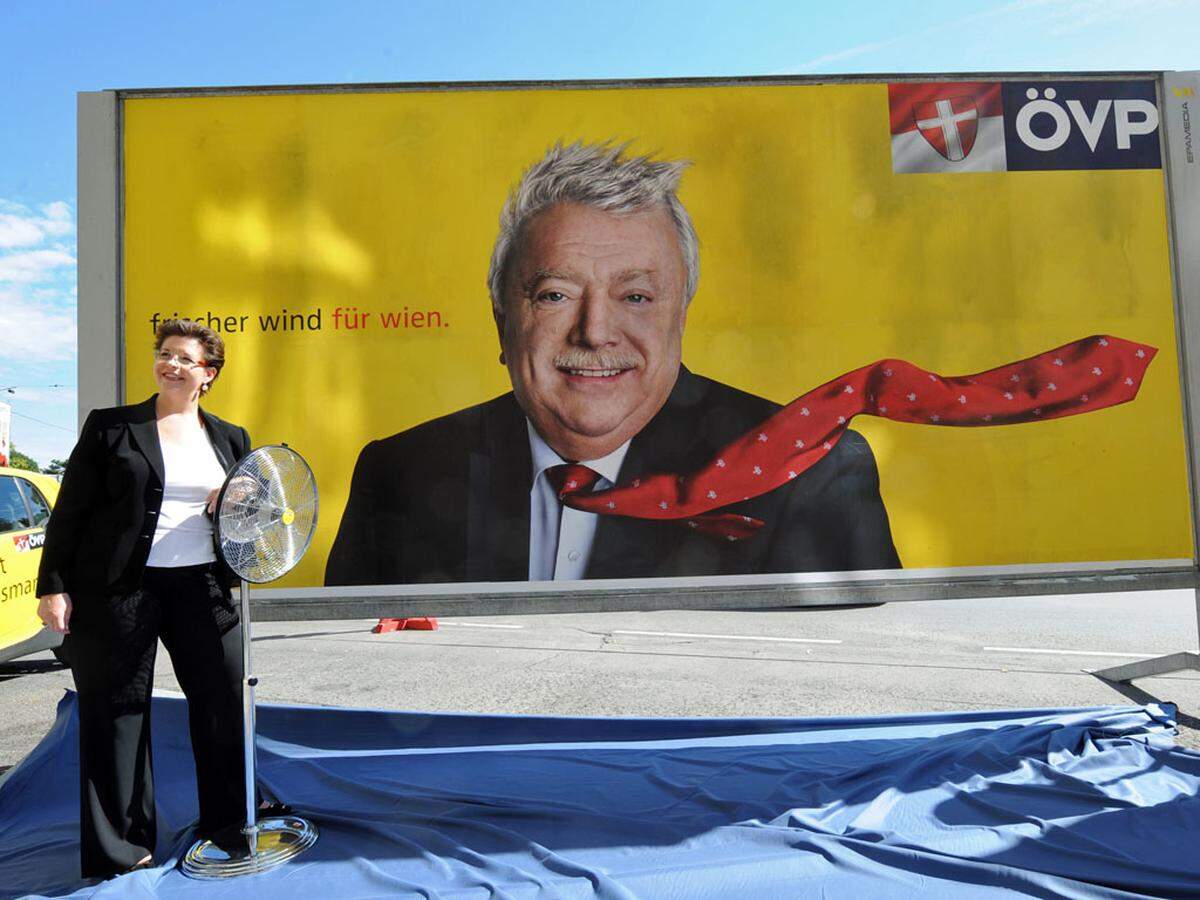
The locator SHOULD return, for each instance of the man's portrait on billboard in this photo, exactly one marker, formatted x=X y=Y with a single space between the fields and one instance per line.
x=591 y=277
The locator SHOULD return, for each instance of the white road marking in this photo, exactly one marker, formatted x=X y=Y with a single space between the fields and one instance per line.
x=730 y=637
x=1071 y=652
x=476 y=624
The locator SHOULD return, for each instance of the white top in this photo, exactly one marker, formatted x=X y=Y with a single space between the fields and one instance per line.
x=184 y=534
x=560 y=538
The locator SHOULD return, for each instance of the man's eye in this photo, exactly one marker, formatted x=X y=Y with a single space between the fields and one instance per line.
x=552 y=296
x=636 y=298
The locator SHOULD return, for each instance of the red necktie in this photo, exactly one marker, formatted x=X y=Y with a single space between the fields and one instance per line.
x=1083 y=376
x=570 y=478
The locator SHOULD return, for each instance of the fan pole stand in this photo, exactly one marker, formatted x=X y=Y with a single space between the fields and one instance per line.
x=272 y=841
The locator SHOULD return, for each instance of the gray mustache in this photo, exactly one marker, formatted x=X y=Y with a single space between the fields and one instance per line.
x=582 y=359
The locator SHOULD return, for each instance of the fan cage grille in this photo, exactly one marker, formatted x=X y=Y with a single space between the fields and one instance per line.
x=266 y=513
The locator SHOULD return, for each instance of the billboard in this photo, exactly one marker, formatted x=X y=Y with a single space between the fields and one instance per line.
x=1004 y=242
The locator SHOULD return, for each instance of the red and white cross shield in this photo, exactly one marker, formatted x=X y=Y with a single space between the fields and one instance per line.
x=949 y=125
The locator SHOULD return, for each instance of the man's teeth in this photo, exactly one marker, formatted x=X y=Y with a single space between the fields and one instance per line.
x=595 y=373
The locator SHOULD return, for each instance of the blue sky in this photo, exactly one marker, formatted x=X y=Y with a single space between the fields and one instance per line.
x=53 y=48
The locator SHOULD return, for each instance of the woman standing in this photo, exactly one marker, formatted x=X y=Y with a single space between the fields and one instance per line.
x=129 y=559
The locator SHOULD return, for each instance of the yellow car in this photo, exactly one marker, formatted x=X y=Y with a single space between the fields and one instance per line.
x=25 y=502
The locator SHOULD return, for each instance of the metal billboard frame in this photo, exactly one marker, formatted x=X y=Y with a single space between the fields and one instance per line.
x=1181 y=175
x=101 y=383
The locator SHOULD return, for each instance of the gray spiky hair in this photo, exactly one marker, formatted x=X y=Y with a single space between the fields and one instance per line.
x=597 y=175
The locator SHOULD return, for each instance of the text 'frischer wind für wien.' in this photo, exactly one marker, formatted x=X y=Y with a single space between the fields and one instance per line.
x=342 y=318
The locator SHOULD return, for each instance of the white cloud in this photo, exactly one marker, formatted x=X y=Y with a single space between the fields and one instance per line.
x=37 y=276
x=59 y=210
x=16 y=231
x=33 y=265
x=21 y=227
x=45 y=332
x=57 y=219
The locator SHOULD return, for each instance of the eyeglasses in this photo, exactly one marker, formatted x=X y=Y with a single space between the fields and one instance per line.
x=184 y=362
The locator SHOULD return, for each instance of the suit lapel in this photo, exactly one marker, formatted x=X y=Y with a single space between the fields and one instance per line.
x=143 y=427
x=498 y=497
x=631 y=548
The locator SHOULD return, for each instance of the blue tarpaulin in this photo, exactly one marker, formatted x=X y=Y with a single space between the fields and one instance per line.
x=1043 y=803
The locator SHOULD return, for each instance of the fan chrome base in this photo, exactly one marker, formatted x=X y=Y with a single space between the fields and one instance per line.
x=279 y=839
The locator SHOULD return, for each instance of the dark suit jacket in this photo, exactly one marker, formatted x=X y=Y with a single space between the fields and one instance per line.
x=448 y=501
x=102 y=526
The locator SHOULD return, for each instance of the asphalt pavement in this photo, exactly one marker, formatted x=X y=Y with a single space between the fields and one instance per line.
x=1010 y=653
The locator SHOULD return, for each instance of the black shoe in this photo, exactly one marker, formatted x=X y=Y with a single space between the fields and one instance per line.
x=231 y=841
x=147 y=863
x=93 y=880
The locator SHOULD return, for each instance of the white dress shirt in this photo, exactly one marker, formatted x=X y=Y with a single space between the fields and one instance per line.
x=183 y=535
x=560 y=538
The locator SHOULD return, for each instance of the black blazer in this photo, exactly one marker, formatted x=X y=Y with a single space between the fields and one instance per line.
x=448 y=501
x=102 y=525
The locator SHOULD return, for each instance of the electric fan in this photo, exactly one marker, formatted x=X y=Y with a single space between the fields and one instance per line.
x=265 y=518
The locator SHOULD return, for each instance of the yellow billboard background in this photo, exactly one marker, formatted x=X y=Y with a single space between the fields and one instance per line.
x=815 y=259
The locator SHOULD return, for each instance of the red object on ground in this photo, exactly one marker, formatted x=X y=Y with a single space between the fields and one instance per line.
x=422 y=623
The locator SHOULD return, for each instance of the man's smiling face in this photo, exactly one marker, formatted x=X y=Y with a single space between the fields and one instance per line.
x=592 y=325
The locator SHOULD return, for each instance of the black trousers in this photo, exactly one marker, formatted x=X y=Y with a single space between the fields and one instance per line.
x=111 y=649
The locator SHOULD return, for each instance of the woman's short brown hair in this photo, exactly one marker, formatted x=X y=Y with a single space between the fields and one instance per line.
x=214 y=347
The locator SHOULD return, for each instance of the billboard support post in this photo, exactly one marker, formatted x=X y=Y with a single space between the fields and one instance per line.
x=100 y=332
x=1144 y=668
x=1180 y=98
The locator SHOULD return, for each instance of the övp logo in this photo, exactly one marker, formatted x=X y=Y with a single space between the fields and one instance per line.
x=1081 y=125
x=26 y=542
